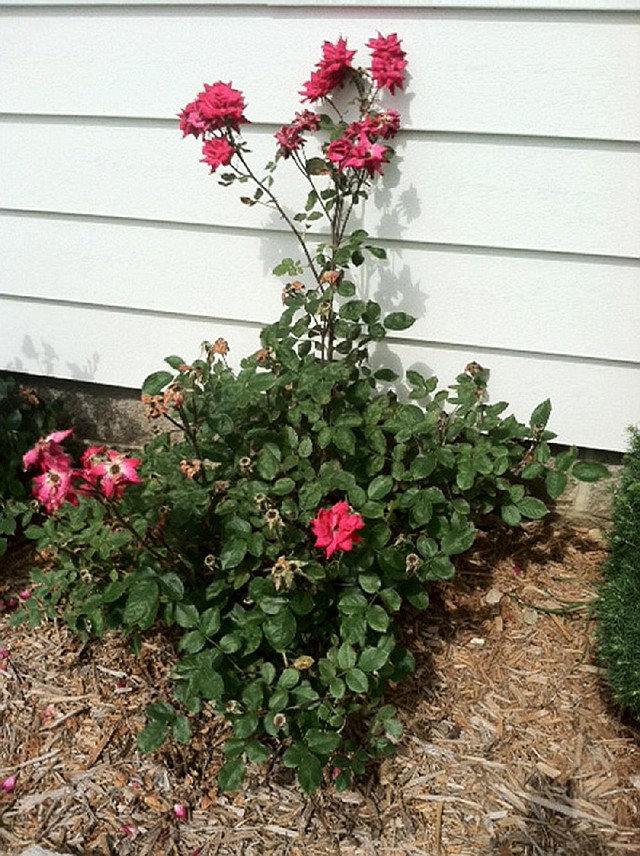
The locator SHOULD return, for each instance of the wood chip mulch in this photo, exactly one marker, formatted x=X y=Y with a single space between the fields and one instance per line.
x=511 y=744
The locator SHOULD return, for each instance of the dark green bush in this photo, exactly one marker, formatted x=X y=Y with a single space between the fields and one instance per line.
x=24 y=417
x=619 y=602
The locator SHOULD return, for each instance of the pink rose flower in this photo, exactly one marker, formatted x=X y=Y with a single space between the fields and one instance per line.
x=192 y=121
x=47 y=450
x=332 y=69
x=387 y=62
x=221 y=106
x=335 y=528
x=54 y=487
x=217 y=152
x=360 y=154
x=180 y=811
x=116 y=473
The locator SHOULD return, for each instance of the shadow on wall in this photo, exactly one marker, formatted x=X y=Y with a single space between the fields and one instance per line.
x=43 y=360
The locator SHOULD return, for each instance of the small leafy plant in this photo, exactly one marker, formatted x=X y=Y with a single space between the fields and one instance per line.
x=23 y=418
x=296 y=506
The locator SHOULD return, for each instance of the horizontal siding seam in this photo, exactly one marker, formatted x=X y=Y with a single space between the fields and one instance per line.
x=256 y=325
x=528 y=252
x=268 y=128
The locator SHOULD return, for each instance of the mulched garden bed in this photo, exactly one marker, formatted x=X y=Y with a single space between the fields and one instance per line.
x=511 y=745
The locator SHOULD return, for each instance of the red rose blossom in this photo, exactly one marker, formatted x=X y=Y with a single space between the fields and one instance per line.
x=387 y=62
x=217 y=152
x=221 y=106
x=335 y=528
x=332 y=69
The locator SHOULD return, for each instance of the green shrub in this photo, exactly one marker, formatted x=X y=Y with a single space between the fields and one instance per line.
x=618 y=606
x=24 y=417
x=300 y=503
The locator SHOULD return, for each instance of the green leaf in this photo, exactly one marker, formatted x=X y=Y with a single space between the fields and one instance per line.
x=187 y=615
x=210 y=621
x=34 y=532
x=232 y=553
x=377 y=252
x=192 y=642
x=156 y=382
x=208 y=683
x=231 y=775
x=257 y=753
x=457 y=541
x=357 y=681
x=532 y=508
x=510 y=515
x=377 y=618
x=181 y=730
x=245 y=726
x=174 y=361
x=541 y=414
x=172 y=585
x=267 y=465
x=309 y=774
x=288 y=679
x=280 y=630
x=294 y=755
x=556 y=483
x=152 y=737
x=369 y=582
x=372 y=659
x=161 y=711
x=589 y=471
x=385 y=375
x=347 y=657
x=316 y=166
x=142 y=604
x=337 y=688
x=398 y=321
x=379 y=487
x=322 y=742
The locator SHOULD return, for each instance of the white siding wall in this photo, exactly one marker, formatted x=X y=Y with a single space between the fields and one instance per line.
x=512 y=222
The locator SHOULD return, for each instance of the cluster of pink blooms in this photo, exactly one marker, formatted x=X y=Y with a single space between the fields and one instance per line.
x=215 y=111
x=335 y=528
x=358 y=147
x=102 y=471
x=387 y=62
x=218 y=110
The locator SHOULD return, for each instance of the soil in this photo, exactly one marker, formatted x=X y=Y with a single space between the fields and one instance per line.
x=511 y=742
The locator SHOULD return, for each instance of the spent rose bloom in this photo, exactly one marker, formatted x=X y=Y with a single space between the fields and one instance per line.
x=217 y=152
x=46 y=450
x=332 y=70
x=387 y=62
x=289 y=139
x=115 y=473
x=335 y=528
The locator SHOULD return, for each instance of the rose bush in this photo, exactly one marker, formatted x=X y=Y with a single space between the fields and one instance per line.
x=295 y=507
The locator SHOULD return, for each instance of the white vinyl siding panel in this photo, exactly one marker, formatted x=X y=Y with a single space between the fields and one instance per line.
x=512 y=218
x=511 y=195
x=534 y=74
